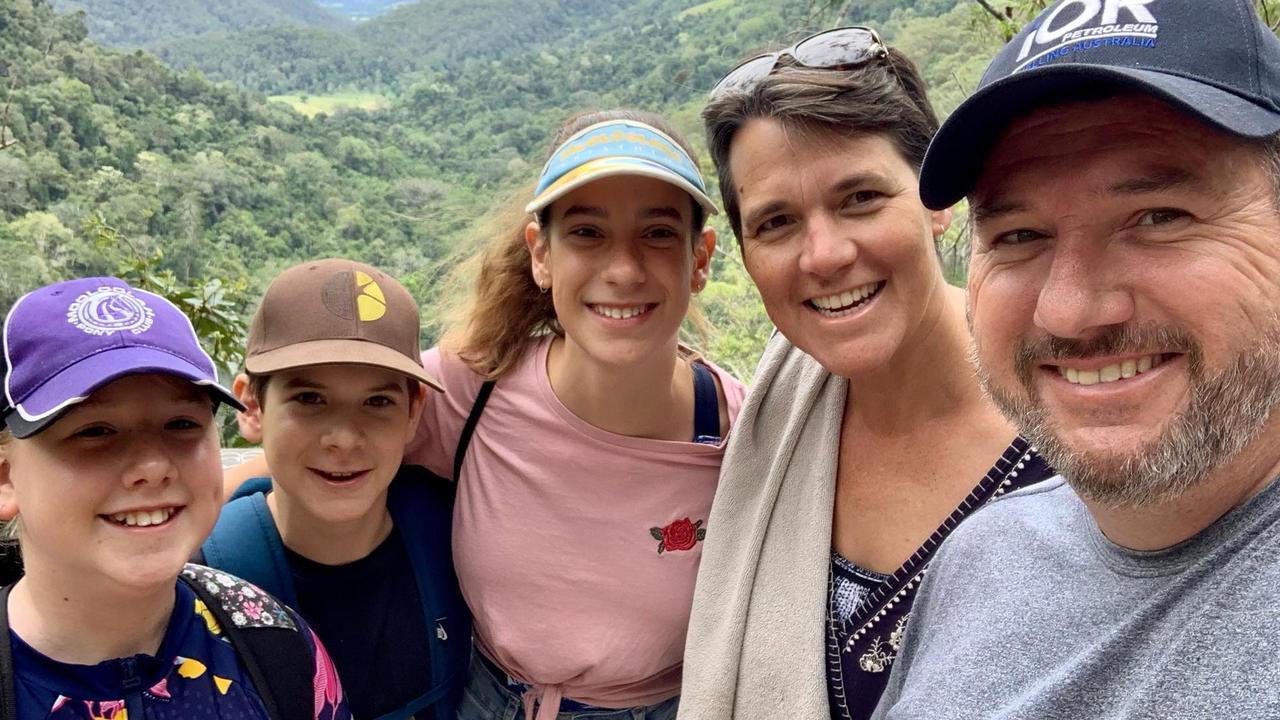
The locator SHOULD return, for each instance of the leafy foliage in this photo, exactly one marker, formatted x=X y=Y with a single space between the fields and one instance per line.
x=216 y=307
x=222 y=181
x=140 y=23
x=217 y=188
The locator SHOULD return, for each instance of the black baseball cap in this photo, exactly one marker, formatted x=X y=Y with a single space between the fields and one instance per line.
x=1214 y=59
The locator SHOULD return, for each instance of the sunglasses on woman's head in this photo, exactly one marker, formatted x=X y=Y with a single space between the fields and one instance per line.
x=837 y=49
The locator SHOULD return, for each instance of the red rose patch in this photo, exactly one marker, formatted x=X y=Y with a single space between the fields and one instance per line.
x=678 y=535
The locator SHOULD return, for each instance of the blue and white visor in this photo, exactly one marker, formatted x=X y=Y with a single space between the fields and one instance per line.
x=618 y=147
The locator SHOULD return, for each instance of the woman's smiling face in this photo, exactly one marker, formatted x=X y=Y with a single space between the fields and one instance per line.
x=837 y=241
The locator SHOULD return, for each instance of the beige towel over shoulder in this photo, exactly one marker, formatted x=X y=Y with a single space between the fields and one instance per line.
x=756 y=644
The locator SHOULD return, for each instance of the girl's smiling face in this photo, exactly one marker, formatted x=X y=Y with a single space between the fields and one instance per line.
x=121 y=489
x=621 y=258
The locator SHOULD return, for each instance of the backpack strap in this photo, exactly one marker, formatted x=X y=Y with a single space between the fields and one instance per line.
x=246 y=543
x=275 y=650
x=706 y=406
x=421 y=506
x=8 y=691
x=252 y=486
x=477 y=408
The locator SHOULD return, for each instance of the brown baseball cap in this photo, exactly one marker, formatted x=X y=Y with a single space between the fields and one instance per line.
x=331 y=311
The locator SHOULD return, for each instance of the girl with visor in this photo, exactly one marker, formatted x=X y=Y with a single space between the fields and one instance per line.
x=584 y=489
x=866 y=438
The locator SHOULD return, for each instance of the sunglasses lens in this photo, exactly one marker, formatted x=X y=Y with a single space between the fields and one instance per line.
x=745 y=75
x=846 y=46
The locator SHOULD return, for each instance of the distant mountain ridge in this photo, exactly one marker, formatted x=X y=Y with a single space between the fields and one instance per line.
x=361 y=9
x=117 y=22
x=431 y=35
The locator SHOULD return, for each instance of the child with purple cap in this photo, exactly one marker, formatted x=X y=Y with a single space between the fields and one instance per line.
x=109 y=479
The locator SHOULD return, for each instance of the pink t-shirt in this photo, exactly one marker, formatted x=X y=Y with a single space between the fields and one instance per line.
x=570 y=542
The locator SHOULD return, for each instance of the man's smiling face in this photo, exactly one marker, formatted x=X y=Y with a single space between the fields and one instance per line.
x=1123 y=293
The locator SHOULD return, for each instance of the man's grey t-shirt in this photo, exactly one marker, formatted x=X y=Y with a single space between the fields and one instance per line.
x=1028 y=611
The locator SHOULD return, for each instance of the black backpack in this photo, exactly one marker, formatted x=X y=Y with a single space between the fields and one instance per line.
x=278 y=659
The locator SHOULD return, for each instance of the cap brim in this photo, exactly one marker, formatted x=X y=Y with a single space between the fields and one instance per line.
x=646 y=169
x=78 y=381
x=956 y=156
x=334 y=352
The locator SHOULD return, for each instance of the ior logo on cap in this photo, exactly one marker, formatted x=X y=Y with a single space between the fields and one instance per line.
x=1077 y=25
x=109 y=310
x=353 y=296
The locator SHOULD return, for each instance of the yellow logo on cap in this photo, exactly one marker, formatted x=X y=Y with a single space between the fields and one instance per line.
x=371 y=304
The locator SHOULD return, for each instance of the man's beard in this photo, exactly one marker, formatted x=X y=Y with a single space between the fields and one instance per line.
x=1224 y=414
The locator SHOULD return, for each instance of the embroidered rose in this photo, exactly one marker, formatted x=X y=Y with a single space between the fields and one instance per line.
x=680 y=534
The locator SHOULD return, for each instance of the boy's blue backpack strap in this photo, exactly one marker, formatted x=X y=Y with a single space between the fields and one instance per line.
x=246 y=543
x=275 y=653
x=421 y=506
x=252 y=486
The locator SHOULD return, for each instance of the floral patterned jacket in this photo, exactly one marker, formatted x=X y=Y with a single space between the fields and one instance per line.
x=196 y=675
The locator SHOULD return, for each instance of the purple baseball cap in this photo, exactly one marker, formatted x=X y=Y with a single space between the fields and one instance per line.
x=64 y=341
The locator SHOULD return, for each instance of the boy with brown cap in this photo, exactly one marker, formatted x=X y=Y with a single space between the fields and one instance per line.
x=357 y=543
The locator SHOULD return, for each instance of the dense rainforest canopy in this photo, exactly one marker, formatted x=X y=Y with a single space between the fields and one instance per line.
x=180 y=169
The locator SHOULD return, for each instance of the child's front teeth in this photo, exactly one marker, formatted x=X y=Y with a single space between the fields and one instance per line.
x=618 y=313
x=143 y=518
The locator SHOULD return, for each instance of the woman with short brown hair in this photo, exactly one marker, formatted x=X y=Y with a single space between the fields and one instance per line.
x=866 y=437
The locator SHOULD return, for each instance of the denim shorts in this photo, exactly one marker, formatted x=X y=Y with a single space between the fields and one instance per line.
x=487 y=697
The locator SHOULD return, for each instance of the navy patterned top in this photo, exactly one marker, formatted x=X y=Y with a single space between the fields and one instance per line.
x=868 y=611
x=196 y=674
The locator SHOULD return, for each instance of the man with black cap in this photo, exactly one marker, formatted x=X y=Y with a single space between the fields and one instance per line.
x=1122 y=168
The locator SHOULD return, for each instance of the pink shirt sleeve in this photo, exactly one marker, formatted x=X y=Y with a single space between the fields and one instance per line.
x=444 y=414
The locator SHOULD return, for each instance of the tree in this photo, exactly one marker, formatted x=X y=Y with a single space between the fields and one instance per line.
x=38 y=250
x=215 y=305
x=6 y=139
x=1007 y=17
x=732 y=306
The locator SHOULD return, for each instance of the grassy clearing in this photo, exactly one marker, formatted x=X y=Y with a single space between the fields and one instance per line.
x=312 y=105
x=708 y=6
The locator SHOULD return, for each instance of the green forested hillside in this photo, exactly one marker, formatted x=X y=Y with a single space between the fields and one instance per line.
x=142 y=23
x=221 y=181
x=439 y=35
x=283 y=59
x=118 y=157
